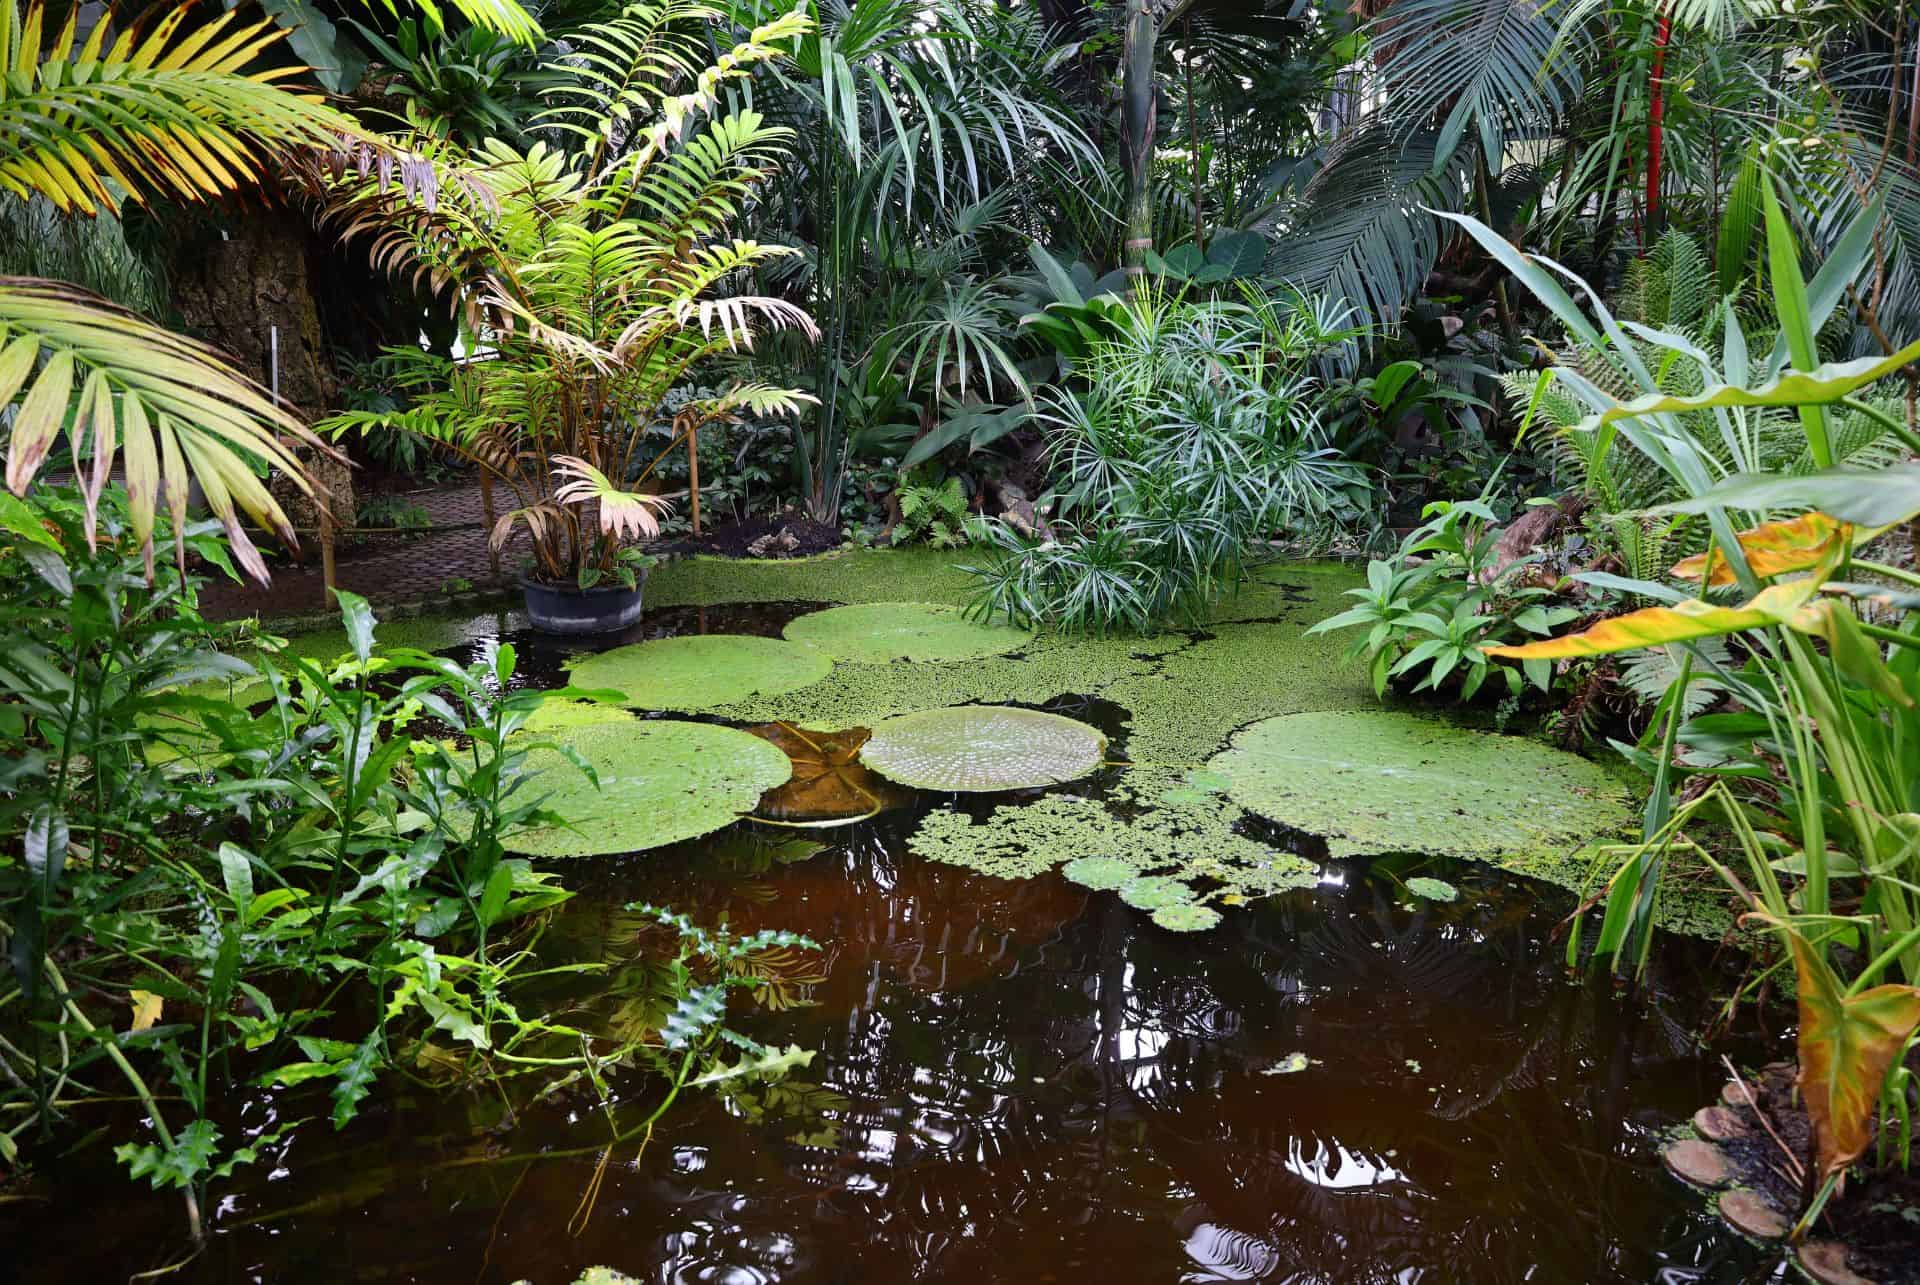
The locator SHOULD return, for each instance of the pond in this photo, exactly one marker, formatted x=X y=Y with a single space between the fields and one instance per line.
x=1018 y=1080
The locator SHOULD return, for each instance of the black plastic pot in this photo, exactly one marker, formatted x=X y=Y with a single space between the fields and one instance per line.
x=569 y=609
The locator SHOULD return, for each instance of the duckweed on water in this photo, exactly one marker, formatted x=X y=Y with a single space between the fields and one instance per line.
x=660 y=782
x=877 y=633
x=1181 y=845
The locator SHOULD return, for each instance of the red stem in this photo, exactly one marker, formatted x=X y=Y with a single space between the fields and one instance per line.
x=1656 y=113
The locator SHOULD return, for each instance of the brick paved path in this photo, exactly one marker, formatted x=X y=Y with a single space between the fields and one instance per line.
x=383 y=568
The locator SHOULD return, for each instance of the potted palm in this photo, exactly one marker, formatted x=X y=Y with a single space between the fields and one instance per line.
x=590 y=279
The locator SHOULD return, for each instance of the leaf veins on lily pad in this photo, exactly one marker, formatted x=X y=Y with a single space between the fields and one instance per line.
x=699 y=671
x=879 y=632
x=1102 y=874
x=661 y=781
x=983 y=748
x=1380 y=781
x=1186 y=919
x=1155 y=892
x=829 y=782
x=1432 y=889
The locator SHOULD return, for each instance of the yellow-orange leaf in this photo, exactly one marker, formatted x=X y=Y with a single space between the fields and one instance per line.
x=1847 y=1042
x=1777 y=548
x=1658 y=626
x=146 y=1009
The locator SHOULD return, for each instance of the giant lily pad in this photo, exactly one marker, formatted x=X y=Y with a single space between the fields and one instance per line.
x=829 y=783
x=879 y=632
x=700 y=671
x=983 y=748
x=1380 y=781
x=660 y=782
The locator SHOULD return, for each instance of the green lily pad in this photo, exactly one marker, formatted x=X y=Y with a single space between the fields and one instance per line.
x=1186 y=919
x=879 y=632
x=1380 y=781
x=983 y=748
x=660 y=782
x=1155 y=892
x=1432 y=889
x=1102 y=874
x=699 y=671
x=559 y=716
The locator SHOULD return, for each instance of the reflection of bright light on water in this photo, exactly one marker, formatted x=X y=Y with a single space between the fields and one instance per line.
x=1339 y=1169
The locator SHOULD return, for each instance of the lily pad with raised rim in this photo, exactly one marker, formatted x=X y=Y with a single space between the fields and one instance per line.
x=699 y=671
x=983 y=749
x=661 y=781
x=1380 y=781
x=880 y=632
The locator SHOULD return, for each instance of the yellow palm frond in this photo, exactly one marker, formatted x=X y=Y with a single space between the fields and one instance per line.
x=172 y=409
x=185 y=112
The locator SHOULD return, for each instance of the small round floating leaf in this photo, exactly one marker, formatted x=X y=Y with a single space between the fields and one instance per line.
x=1102 y=874
x=1381 y=781
x=661 y=781
x=559 y=716
x=699 y=671
x=1155 y=892
x=1432 y=889
x=878 y=632
x=983 y=748
x=1186 y=919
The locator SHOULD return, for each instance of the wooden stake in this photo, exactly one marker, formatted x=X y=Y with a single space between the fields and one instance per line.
x=693 y=474
x=486 y=511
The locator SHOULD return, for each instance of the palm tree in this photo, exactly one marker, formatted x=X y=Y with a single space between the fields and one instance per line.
x=162 y=110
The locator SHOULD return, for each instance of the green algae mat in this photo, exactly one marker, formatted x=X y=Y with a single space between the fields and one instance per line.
x=882 y=632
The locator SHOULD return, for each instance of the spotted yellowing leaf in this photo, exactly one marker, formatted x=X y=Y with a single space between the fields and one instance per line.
x=1778 y=548
x=1658 y=626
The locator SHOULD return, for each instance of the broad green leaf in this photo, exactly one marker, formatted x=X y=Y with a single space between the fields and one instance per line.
x=1872 y=498
x=1827 y=383
x=357 y=616
x=17 y=518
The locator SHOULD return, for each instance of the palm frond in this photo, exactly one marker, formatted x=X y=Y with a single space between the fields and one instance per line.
x=172 y=409
x=1361 y=232
x=164 y=108
x=1488 y=65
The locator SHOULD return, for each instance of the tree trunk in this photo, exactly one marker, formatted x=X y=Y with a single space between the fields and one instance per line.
x=1136 y=127
x=238 y=278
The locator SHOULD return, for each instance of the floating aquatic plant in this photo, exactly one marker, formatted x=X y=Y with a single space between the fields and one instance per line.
x=983 y=748
x=1166 y=852
x=699 y=671
x=1380 y=781
x=661 y=781
x=829 y=781
x=1185 y=917
x=879 y=632
x=1432 y=889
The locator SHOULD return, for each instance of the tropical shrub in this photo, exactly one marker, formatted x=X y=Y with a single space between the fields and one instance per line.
x=1432 y=609
x=590 y=278
x=1195 y=439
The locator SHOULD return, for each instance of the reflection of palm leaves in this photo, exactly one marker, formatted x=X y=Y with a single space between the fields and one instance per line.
x=785 y=974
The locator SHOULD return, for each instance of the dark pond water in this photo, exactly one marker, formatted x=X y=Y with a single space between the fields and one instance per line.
x=1018 y=1082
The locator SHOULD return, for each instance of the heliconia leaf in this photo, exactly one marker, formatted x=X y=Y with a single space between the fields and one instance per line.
x=1846 y=1044
x=1658 y=626
x=1828 y=383
x=1852 y=652
x=1776 y=548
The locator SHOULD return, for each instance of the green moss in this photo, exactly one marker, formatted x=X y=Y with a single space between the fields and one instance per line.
x=700 y=671
x=559 y=716
x=851 y=575
x=1191 y=846
x=1383 y=781
x=983 y=749
x=877 y=633
x=660 y=782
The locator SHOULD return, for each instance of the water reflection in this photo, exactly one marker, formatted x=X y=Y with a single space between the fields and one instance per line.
x=1025 y=1082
